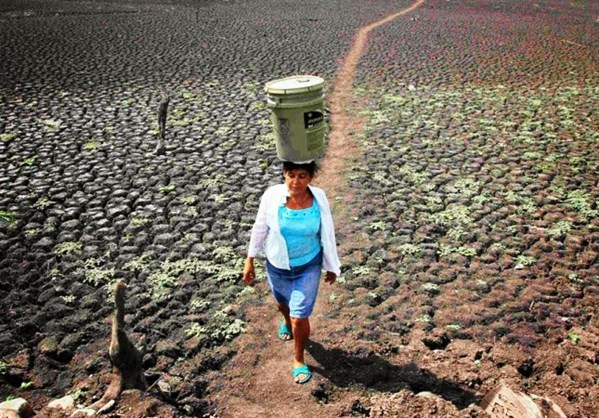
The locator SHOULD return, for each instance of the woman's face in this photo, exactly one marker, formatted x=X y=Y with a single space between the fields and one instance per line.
x=297 y=181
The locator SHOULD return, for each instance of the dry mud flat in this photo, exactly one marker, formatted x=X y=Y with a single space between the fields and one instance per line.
x=470 y=243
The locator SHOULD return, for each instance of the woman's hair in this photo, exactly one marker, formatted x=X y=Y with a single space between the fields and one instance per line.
x=310 y=167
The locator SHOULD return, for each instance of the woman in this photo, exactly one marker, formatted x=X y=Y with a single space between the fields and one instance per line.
x=294 y=227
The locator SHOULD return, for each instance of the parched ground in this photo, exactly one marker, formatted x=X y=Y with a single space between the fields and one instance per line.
x=466 y=206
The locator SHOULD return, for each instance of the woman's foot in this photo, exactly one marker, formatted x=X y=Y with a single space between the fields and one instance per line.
x=285 y=332
x=302 y=374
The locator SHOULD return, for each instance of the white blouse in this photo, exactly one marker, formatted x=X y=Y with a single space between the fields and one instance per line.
x=266 y=234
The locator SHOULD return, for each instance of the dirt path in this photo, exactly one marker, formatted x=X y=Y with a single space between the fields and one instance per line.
x=257 y=382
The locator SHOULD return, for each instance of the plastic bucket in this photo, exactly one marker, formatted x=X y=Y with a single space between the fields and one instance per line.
x=297 y=115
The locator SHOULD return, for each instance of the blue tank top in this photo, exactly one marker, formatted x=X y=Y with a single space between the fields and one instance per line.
x=301 y=230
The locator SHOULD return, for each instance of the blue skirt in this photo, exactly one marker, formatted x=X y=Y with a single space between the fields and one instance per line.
x=296 y=288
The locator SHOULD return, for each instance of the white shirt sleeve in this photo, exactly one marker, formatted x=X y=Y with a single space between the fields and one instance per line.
x=259 y=230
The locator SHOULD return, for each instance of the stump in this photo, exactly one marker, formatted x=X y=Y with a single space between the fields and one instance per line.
x=127 y=372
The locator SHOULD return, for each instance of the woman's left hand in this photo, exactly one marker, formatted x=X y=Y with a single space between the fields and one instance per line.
x=330 y=277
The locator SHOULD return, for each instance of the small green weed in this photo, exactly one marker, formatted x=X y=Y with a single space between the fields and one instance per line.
x=139 y=221
x=361 y=271
x=580 y=200
x=466 y=251
x=68 y=299
x=91 y=146
x=223 y=131
x=29 y=161
x=524 y=261
x=560 y=229
x=189 y=199
x=51 y=125
x=196 y=330
x=409 y=249
x=43 y=203
x=167 y=188
x=431 y=288
x=8 y=217
x=8 y=136
x=97 y=276
x=378 y=226
x=224 y=254
x=68 y=248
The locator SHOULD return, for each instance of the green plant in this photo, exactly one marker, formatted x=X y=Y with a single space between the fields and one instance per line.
x=431 y=288
x=221 y=198
x=8 y=217
x=409 y=249
x=68 y=299
x=43 y=203
x=560 y=229
x=524 y=261
x=189 y=199
x=424 y=318
x=258 y=106
x=141 y=263
x=97 y=276
x=167 y=188
x=575 y=338
x=8 y=136
x=161 y=282
x=189 y=95
x=29 y=161
x=3 y=367
x=26 y=385
x=444 y=250
x=361 y=271
x=223 y=131
x=199 y=305
x=139 y=221
x=466 y=251
x=78 y=395
x=456 y=233
x=91 y=145
x=466 y=186
x=251 y=87
x=224 y=254
x=481 y=199
x=454 y=215
x=195 y=330
x=51 y=125
x=575 y=278
x=580 y=200
x=378 y=226
x=191 y=212
x=68 y=248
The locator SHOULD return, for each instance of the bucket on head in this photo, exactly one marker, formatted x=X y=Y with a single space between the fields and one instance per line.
x=297 y=114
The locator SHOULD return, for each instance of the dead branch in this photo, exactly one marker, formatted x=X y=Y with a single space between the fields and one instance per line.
x=127 y=372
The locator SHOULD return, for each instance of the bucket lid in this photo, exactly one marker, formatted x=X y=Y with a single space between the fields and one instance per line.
x=294 y=85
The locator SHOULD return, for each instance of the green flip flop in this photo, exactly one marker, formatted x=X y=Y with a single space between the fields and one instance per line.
x=303 y=369
x=284 y=331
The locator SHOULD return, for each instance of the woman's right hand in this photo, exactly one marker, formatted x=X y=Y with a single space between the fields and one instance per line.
x=249 y=273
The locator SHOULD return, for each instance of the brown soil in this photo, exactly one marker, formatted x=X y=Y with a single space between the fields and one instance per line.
x=393 y=375
x=417 y=374
x=258 y=383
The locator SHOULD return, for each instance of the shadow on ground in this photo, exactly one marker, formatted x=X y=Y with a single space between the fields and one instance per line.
x=344 y=369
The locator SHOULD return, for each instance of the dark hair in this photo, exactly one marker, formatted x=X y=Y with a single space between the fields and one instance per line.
x=310 y=167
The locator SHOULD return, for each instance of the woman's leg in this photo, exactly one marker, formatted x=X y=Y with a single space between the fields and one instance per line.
x=284 y=309
x=301 y=333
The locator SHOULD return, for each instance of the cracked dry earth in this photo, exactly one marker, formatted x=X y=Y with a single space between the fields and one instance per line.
x=462 y=167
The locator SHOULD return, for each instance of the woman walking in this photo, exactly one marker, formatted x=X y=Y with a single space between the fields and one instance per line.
x=294 y=227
